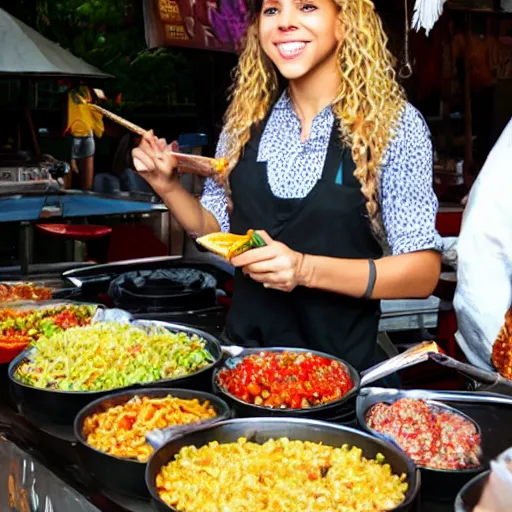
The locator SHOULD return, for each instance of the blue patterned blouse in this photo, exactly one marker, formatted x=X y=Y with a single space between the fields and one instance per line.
x=409 y=205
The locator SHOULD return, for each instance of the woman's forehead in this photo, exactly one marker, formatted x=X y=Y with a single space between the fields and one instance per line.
x=263 y=3
x=256 y=5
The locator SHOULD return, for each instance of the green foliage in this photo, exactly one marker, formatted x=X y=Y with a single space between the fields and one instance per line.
x=109 y=34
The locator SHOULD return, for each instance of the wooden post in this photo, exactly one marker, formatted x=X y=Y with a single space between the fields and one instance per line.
x=468 y=132
x=446 y=91
x=25 y=92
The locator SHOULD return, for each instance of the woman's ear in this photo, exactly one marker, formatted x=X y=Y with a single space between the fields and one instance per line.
x=340 y=31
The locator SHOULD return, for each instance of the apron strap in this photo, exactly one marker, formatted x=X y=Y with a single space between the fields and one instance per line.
x=256 y=133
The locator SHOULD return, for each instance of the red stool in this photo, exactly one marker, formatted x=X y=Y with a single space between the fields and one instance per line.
x=80 y=232
x=75 y=232
x=448 y=222
x=132 y=241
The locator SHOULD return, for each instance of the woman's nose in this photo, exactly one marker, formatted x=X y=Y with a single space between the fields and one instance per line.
x=288 y=18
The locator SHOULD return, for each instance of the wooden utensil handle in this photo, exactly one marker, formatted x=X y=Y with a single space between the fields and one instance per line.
x=183 y=158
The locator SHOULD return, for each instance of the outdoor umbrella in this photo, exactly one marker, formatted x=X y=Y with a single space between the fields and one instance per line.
x=25 y=52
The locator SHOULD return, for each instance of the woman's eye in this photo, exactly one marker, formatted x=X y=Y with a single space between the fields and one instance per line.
x=270 y=11
x=308 y=7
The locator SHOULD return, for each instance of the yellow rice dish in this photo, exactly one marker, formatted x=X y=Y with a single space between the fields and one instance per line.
x=278 y=476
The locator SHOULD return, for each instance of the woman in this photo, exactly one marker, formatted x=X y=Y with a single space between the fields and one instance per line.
x=328 y=169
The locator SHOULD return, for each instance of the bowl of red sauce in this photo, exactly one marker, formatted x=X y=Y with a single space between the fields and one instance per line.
x=442 y=441
x=287 y=382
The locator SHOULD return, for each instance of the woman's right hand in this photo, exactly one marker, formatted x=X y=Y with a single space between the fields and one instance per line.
x=155 y=164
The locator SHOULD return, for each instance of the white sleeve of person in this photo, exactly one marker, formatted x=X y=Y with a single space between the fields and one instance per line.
x=484 y=256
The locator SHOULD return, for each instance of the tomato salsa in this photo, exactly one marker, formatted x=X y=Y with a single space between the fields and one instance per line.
x=433 y=437
x=286 y=380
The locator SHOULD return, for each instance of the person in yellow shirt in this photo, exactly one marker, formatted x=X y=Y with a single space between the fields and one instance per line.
x=84 y=123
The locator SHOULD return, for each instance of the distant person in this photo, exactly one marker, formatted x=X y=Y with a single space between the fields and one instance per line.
x=484 y=256
x=124 y=177
x=83 y=124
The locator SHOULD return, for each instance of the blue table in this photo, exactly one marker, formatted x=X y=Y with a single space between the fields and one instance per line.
x=30 y=209
x=27 y=209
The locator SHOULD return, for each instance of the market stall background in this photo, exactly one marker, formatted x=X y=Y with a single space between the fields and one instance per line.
x=442 y=86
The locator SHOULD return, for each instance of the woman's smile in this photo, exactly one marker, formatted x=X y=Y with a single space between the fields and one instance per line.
x=291 y=49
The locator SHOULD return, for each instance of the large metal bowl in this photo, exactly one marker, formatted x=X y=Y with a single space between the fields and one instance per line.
x=48 y=406
x=260 y=430
x=323 y=412
x=438 y=484
x=469 y=496
x=126 y=476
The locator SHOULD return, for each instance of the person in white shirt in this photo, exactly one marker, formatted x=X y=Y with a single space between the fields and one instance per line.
x=484 y=256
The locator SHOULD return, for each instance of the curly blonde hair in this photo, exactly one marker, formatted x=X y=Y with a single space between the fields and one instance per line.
x=368 y=107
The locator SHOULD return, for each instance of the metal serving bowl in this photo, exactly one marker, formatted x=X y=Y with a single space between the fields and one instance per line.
x=438 y=484
x=126 y=476
x=469 y=496
x=324 y=411
x=259 y=430
x=50 y=406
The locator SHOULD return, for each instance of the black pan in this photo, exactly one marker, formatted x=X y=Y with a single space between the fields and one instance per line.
x=324 y=412
x=260 y=430
x=61 y=407
x=126 y=476
x=439 y=484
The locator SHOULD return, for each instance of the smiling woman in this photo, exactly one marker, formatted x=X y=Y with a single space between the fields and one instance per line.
x=335 y=171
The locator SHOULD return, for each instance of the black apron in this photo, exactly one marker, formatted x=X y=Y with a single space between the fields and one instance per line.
x=330 y=221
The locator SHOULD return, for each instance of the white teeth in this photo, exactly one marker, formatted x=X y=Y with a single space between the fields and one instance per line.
x=291 y=48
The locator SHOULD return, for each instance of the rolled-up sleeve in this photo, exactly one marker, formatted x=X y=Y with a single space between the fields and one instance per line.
x=213 y=197
x=409 y=204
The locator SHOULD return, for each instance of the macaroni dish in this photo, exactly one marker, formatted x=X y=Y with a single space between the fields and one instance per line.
x=121 y=430
x=276 y=476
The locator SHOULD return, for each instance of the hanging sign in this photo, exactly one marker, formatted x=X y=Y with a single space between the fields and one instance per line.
x=204 y=24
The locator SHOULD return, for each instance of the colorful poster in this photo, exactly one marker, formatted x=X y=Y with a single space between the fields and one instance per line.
x=204 y=24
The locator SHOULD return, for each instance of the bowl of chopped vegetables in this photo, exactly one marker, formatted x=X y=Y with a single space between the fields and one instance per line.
x=62 y=373
x=441 y=440
x=111 y=431
x=289 y=382
x=21 y=325
x=285 y=464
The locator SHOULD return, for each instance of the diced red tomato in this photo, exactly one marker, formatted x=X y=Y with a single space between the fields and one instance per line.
x=286 y=379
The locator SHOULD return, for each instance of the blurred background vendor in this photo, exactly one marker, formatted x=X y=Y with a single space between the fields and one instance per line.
x=484 y=256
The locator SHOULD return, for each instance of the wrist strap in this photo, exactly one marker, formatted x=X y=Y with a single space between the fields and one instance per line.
x=372 y=277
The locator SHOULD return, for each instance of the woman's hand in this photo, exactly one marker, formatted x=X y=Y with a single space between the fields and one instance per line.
x=275 y=265
x=155 y=164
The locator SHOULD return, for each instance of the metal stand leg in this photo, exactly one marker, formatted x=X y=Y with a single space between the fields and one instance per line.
x=25 y=247
x=387 y=345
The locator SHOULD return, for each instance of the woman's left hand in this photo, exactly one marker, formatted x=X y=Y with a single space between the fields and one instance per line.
x=275 y=265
